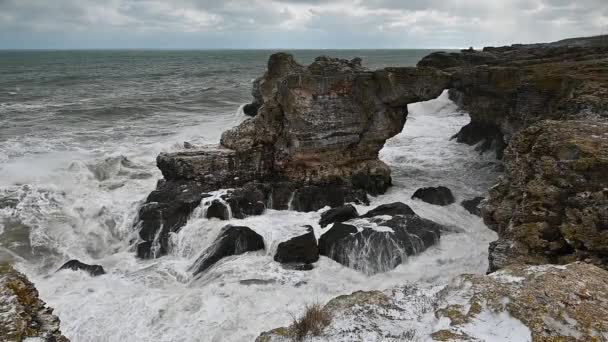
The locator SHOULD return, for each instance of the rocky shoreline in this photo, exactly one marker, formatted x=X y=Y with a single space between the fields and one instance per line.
x=312 y=141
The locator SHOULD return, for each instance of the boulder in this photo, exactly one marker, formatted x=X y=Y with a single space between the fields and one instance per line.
x=217 y=209
x=232 y=240
x=390 y=209
x=473 y=205
x=299 y=249
x=76 y=265
x=250 y=200
x=372 y=250
x=251 y=109
x=338 y=214
x=23 y=315
x=435 y=195
x=313 y=198
x=551 y=205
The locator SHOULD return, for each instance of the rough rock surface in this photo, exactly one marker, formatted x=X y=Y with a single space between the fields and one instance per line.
x=22 y=313
x=301 y=249
x=473 y=205
x=506 y=89
x=77 y=265
x=551 y=205
x=232 y=240
x=313 y=142
x=519 y=303
x=382 y=244
x=435 y=195
x=339 y=214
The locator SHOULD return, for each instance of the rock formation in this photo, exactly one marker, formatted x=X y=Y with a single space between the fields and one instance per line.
x=23 y=315
x=519 y=303
x=551 y=206
x=314 y=140
x=435 y=195
x=301 y=249
x=339 y=214
x=77 y=265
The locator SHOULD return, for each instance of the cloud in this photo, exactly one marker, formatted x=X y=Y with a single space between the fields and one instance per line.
x=294 y=23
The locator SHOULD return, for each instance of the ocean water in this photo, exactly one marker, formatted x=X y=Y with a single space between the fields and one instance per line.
x=79 y=133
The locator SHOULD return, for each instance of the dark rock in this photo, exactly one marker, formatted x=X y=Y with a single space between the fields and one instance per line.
x=489 y=135
x=250 y=200
x=251 y=109
x=76 y=265
x=217 y=209
x=313 y=198
x=169 y=207
x=339 y=214
x=300 y=249
x=297 y=266
x=372 y=251
x=232 y=240
x=435 y=195
x=472 y=205
x=391 y=209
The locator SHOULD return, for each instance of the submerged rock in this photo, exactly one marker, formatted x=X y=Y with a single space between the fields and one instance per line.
x=473 y=205
x=232 y=240
x=299 y=249
x=338 y=214
x=551 y=205
x=372 y=250
x=76 y=265
x=519 y=303
x=23 y=315
x=435 y=195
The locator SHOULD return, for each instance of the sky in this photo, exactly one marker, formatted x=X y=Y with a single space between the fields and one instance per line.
x=260 y=24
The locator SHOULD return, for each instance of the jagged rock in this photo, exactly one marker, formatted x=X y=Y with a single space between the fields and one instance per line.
x=435 y=195
x=519 y=303
x=506 y=89
x=23 y=315
x=299 y=249
x=169 y=207
x=338 y=214
x=218 y=210
x=391 y=209
x=372 y=251
x=232 y=240
x=551 y=205
x=473 y=205
x=313 y=198
x=250 y=200
x=76 y=265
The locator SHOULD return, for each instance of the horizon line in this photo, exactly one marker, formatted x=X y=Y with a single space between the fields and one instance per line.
x=228 y=49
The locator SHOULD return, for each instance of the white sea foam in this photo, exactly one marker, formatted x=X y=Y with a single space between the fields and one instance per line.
x=82 y=216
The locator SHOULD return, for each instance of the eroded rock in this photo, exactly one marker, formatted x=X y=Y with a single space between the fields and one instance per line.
x=77 y=265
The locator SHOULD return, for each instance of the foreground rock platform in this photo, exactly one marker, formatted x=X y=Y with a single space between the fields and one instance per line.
x=23 y=315
x=519 y=303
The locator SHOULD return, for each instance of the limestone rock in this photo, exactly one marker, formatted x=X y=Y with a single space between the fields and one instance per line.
x=23 y=314
x=339 y=214
x=552 y=203
x=301 y=249
x=232 y=240
x=435 y=195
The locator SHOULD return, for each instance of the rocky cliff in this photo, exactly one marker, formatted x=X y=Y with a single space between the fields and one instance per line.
x=313 y=141
x=23 y=315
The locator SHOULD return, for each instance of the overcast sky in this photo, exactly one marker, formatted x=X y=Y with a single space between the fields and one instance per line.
x=294 y=23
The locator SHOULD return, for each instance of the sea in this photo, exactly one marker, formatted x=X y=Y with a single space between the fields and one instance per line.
x=79 y=134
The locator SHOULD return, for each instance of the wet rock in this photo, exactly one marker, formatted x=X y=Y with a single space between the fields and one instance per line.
x=249 y=282
x=76 y=265
x=390 y=209
x=300 y=249
x=372 y=250
x=23 y=315
x=250 y=200
x=313 y=198
x=169 y=207
x=550 y=206
x=218 y=210
x=435 y=195
x=473 y=205
x=251 y=109
x=232 y=240
x=338 y=214
x=295 y=266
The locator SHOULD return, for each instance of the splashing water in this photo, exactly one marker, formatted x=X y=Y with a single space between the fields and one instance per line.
x=75 y=194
